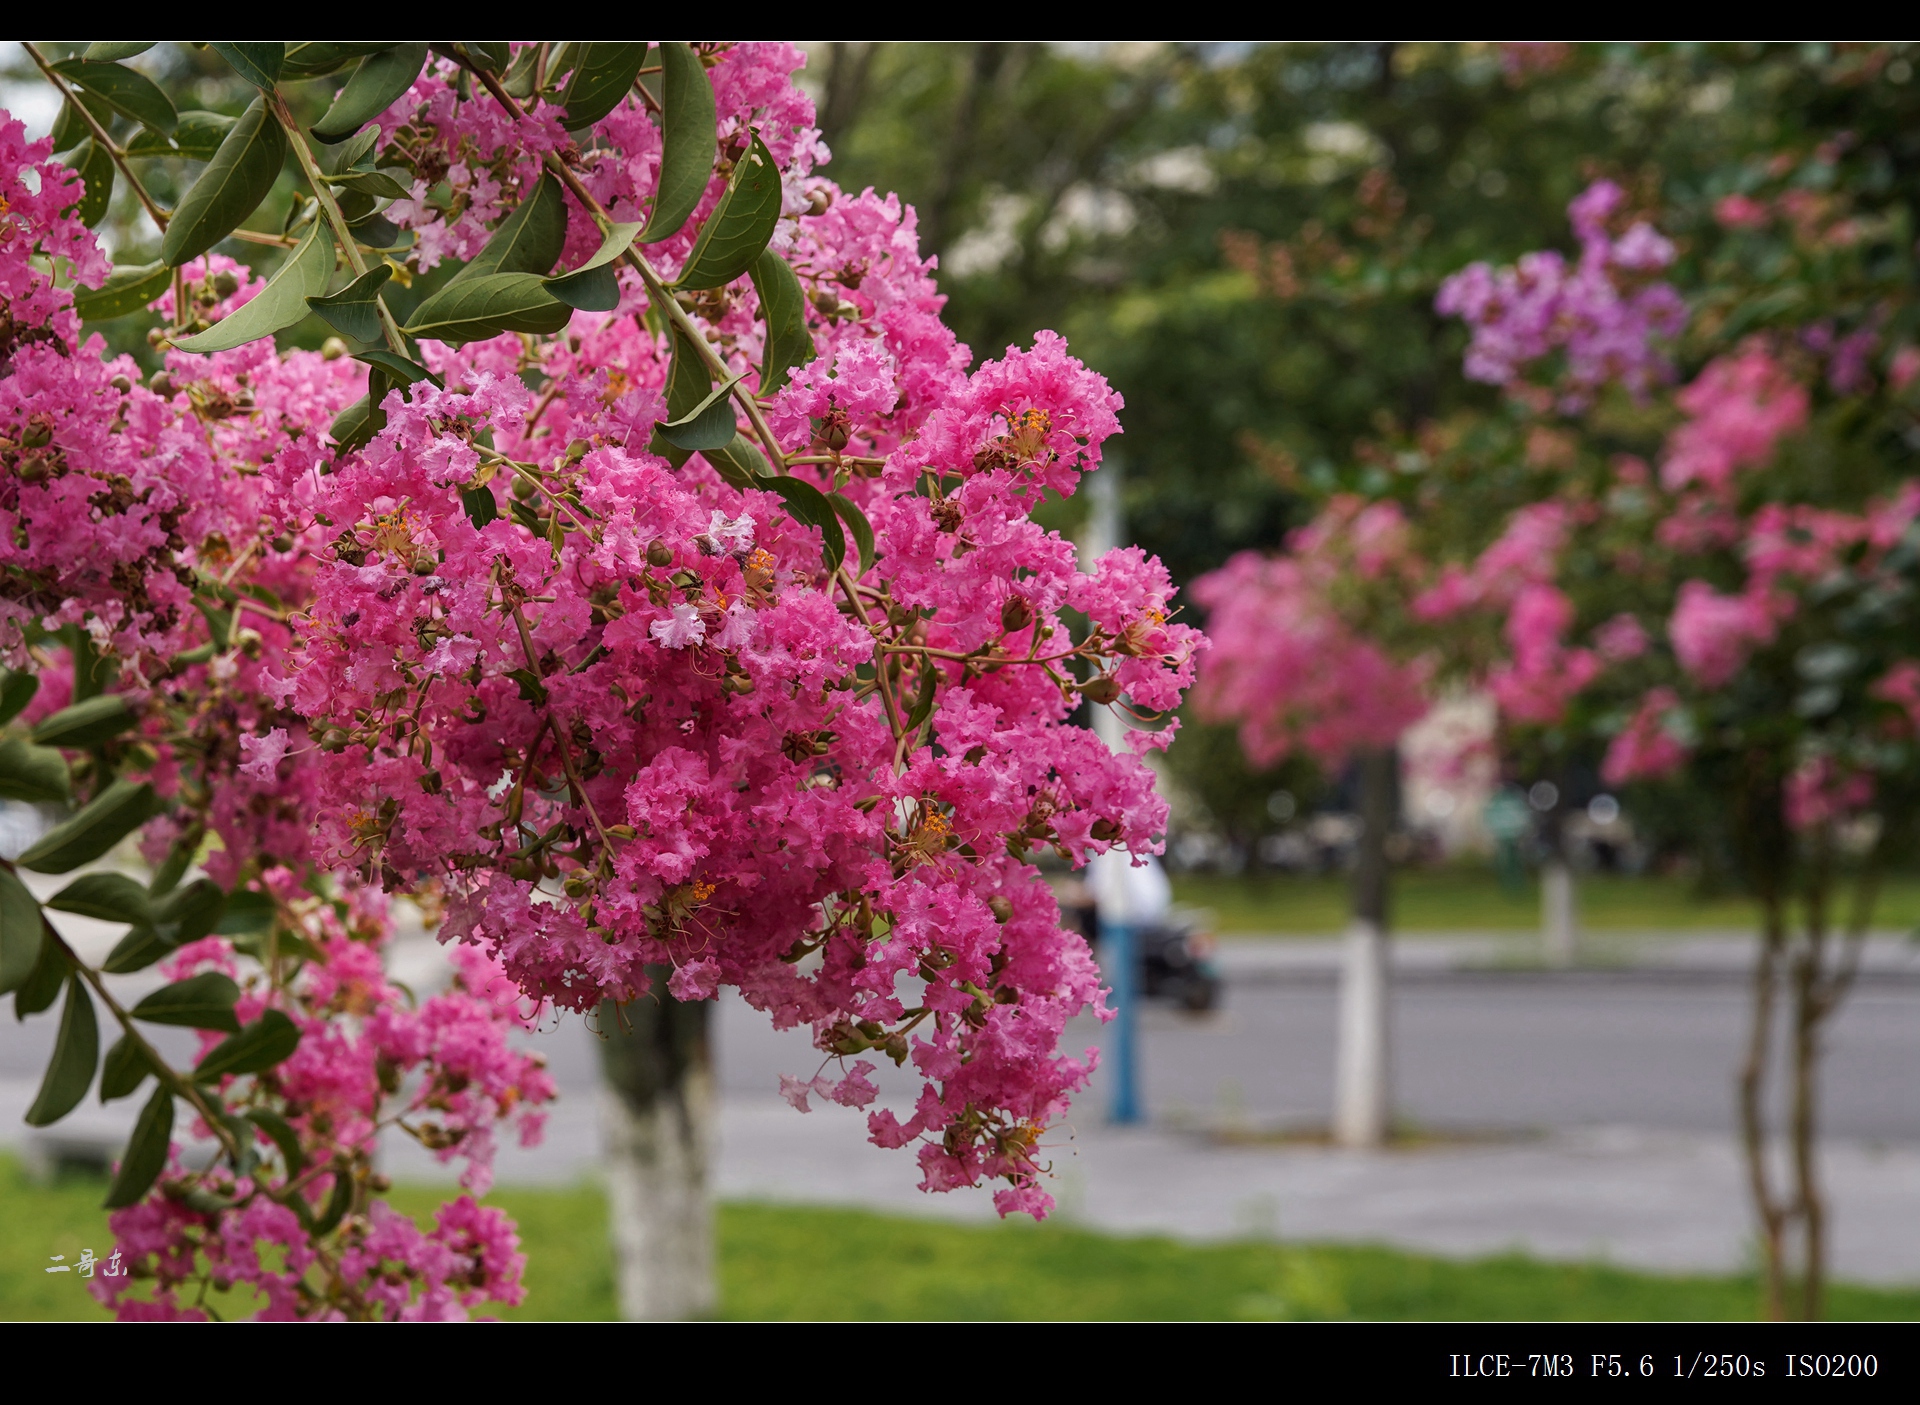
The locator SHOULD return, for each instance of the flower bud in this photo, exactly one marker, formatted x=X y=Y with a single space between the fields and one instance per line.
x=225 y=284
x=425 y=564
x=659 y=554
x=161 y=385
x=282 y=543
x=819 y=202
x=1106 y=831
x=577 y=450
x=37 y=434
x=1100 y=689
x=621 y=831
x=333 y=739
x=121 y=383
x=1016 y=614
x=332 y=349
x=1001 y=909
x=524 y=488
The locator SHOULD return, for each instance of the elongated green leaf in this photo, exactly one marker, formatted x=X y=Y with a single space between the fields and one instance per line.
x=339 y=160
x=16 y=691
x=313 y=58
x=528 y=241
x=138 y=949
x=856 y=520
x=923 y=704
x=603 y=74
x=339 y=1201
x=124 y=1069
x=86 y=723
x=740 y=225
x=204 y=1001
x=783 y=306
x=124 y=89
x=146 y=1154
x=108 y=52
x=188 y=914
x=474 y=309
x=688 y=141
x=284 y=1137
x=258 y=1046
x=247 y=912
x=518 y=79
x=739 y=462
x=401 y=369
x=481 y=505
x=808 y=504
x=354 y=311
x=21 y=932
x=42 y=985
x=29 y=772
x=107 y=819
x=127 y=289
x=76 y=1054
x=688 y=384
x=380 y=81
x=111 y=897
x=593 y=287
x=70 y=128
x=709 y=424
x=258 y=63
x=356 y=424
x=280 y=304
x=238 y=178
x=197 y=137
x=377 y=184
x=96 y=169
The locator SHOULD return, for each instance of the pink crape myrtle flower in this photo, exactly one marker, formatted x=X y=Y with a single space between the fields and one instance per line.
x=1712 y=633
x=1647 y=748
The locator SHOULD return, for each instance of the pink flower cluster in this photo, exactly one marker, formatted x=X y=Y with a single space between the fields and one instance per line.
x=1738 y=409
x=1603 y=312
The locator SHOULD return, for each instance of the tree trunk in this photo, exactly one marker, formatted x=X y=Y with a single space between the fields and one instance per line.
x=657 y=1114
x=1362 y=1100
x=1559 y=921
x=1753 y=1110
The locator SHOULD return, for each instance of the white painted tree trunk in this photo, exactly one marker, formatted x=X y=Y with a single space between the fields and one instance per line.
x=1362 y=1078
x=1559 y=921
x=656 y=1173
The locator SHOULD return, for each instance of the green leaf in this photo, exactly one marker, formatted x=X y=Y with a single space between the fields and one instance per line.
x=70 y=128
x=339 y=160
x=490 y=56
x=806 y=503
x=95 y=166
x=128 y=288
x=315 y=57
x=923 y=704
x=107 y=52
x=592 y=287
x=238 y=178
x=740 y=226
x=688 y=141
x=354 y=311
x=378 y=184
x=128 y=92
x=857 y=523
x=188 y=914
x=29 y=772
x=741 y=463
x=380 y=81
x=338 y=1203
x=258 y=63
x=379 y=232
x=76 y=1054
x=469 y=310
x=22 y=930
x=17 y=688
x=107 y=819
x=42 y=985
x=125 y=1069
x=247 y=911
x=531 y=688
x=709 y=424
x=603 y=74
x=86 y=723
x=280 y=304
x=482 y=507
x=111 y=897
x=138 y=949
x=400 y=368
x=518 y=79
x=146 y=1154
x=197 y=137
x=784 y=308
x=356 y=424
x=204 y=1001
x=258 y=1046
x=93 y=671
x=528 y=241
x=284 y=1137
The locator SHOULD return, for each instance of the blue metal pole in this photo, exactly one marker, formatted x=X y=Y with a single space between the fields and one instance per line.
x=1123 y=975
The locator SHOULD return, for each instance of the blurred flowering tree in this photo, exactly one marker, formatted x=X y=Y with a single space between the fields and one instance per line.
x=654 y=596
x=1684 y=535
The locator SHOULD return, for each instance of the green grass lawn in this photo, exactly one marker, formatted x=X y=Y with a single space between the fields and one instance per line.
x=787 y=1262
x=1464 y=899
